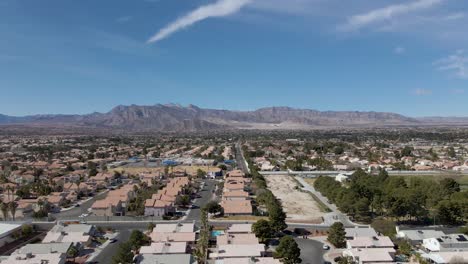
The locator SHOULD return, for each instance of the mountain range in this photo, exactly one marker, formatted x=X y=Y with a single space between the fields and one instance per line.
x=173 y=117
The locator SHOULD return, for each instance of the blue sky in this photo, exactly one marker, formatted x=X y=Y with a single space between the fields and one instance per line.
x=68 y=56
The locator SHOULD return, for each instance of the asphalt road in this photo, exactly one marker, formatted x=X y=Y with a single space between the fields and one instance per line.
x=206 y=196
x=83 y=208
x=240 y=160
x=105 y=257
x=311 y=251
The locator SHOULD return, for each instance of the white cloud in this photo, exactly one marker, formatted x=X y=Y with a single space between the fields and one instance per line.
x=399 y=50
x=457 y=62
x=218 y=9
x=422 y=92
x=387 y=13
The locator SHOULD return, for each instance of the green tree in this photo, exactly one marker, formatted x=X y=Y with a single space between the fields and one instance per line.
x=26 y=230
x=449 y=186
x=262 y=230
x=201 y=173
x=183 y=200
x=337 y=235
x=288 y=251
x=277 y=218
x=213 y=207
x=124 y=254
x=73 y=252
x=451 y=152
x=151 y=226
x=406 y=151
x=404 y=247
x=92 y=169
x=137 y=239
x=449 y=212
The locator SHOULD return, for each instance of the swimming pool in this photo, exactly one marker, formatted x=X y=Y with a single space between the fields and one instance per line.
x=216 y=233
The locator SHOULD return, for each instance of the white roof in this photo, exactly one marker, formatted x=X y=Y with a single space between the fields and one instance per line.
x=174 y=228
x=6 y=229
x=164 y=259
x=419 y=235
x=360 y=232
x=229 y=251
x=363 y=242
x=240 y=228
x=248 y=261
x=372 y=254
x=44 y=248
x=446 y=257
x=57 y=258
x=165 y=248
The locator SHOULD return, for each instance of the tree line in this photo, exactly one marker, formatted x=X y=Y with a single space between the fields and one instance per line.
x=409 y=199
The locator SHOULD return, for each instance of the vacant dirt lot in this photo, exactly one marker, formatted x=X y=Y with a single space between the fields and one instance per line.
x=299 y=206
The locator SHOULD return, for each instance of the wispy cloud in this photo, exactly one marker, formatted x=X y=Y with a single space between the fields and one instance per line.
x=386 y=13
x=457 y=91
x=218 y=9
x=399 y=50
x=455 y=16
x=457 y=63
x=124 y=19
x=422 y=92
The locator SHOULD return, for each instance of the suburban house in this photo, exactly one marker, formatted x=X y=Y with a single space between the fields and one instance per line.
x=235 y=201
x=364 y=245
x=163 y=202
x=453 y=242
x=182 y=232
x=238 y=245
x=165 y=258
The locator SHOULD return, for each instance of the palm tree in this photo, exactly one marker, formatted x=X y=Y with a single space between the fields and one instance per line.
x=12 y=206
x=8 y=189
x=4 y=209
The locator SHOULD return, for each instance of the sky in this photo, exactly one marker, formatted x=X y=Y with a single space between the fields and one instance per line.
x=77 y=57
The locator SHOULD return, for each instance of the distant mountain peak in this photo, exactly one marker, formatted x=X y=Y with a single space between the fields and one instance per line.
x=175 y=117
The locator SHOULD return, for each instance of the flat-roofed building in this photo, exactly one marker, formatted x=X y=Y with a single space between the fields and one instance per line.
x=371 y=255
x=238 y=251
x=50 y=258
x=168 y=258
x=453 y=242
x=261 y=260
x=239 y=229
x=236 y=239
x=165 y=248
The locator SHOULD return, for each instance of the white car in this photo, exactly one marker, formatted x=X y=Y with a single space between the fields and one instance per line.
x=326 y=247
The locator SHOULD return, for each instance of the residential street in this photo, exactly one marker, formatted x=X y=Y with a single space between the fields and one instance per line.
x=206 y=196
x=83 y=208
x=105 y=257
x=311 y=251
